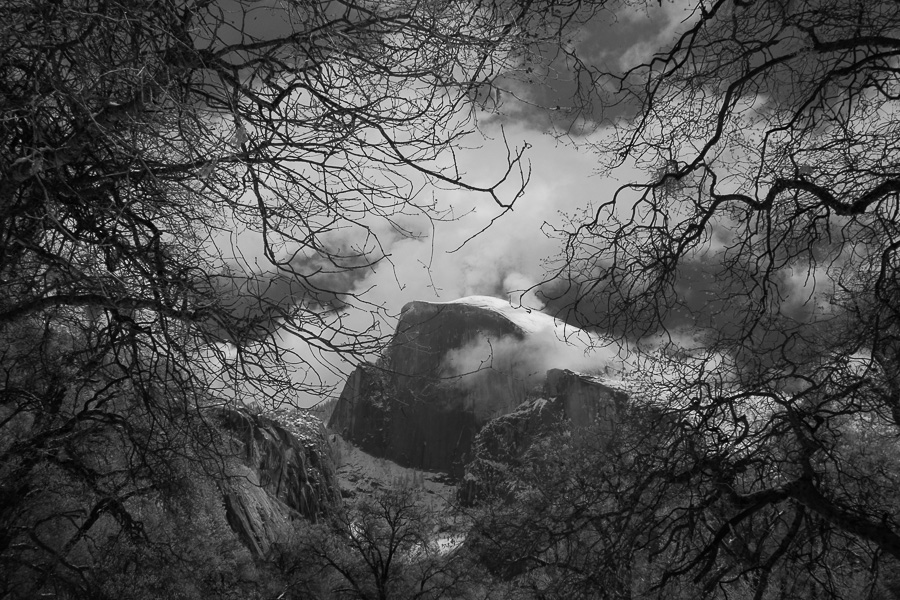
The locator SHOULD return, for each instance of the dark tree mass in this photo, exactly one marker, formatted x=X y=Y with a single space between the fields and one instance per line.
x=193 y=193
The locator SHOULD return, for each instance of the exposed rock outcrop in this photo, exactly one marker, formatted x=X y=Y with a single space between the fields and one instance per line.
x=276 y=476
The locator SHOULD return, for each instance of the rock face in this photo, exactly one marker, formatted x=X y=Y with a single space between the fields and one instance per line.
x=450 y=370
x=585 y=399
x=277 y=475
x=569 y=400
x=417 y=407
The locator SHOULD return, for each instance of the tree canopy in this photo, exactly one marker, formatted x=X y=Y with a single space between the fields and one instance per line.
x=754 y=273
x=136 y=139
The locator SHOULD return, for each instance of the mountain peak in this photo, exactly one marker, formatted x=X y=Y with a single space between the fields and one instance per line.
x=452 y=367
x=529 y=320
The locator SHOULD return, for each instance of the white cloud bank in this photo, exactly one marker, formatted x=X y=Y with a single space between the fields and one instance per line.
x=549 y=343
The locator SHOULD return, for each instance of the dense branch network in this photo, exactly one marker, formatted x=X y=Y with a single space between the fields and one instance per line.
x=138 y=141
x=754 y=272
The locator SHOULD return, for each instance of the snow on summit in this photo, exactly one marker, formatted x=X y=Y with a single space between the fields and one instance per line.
x=528 y=319
x=549 y=342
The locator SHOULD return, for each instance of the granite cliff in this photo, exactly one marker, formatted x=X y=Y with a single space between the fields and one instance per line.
x=452 y=369
x=568 y=401
x=279 y=471
x=415 y=406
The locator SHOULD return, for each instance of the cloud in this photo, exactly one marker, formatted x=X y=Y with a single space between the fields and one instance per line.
x=521 y=291
x=636 y=35
x=547 y=344
x=546 y=91
x=255 y=302
x=456 y=260
x=529 y=359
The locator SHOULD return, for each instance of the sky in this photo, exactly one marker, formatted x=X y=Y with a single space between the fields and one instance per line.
x=488 y=251
x=479 y=253
x=458 y=259
x=455 y=260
